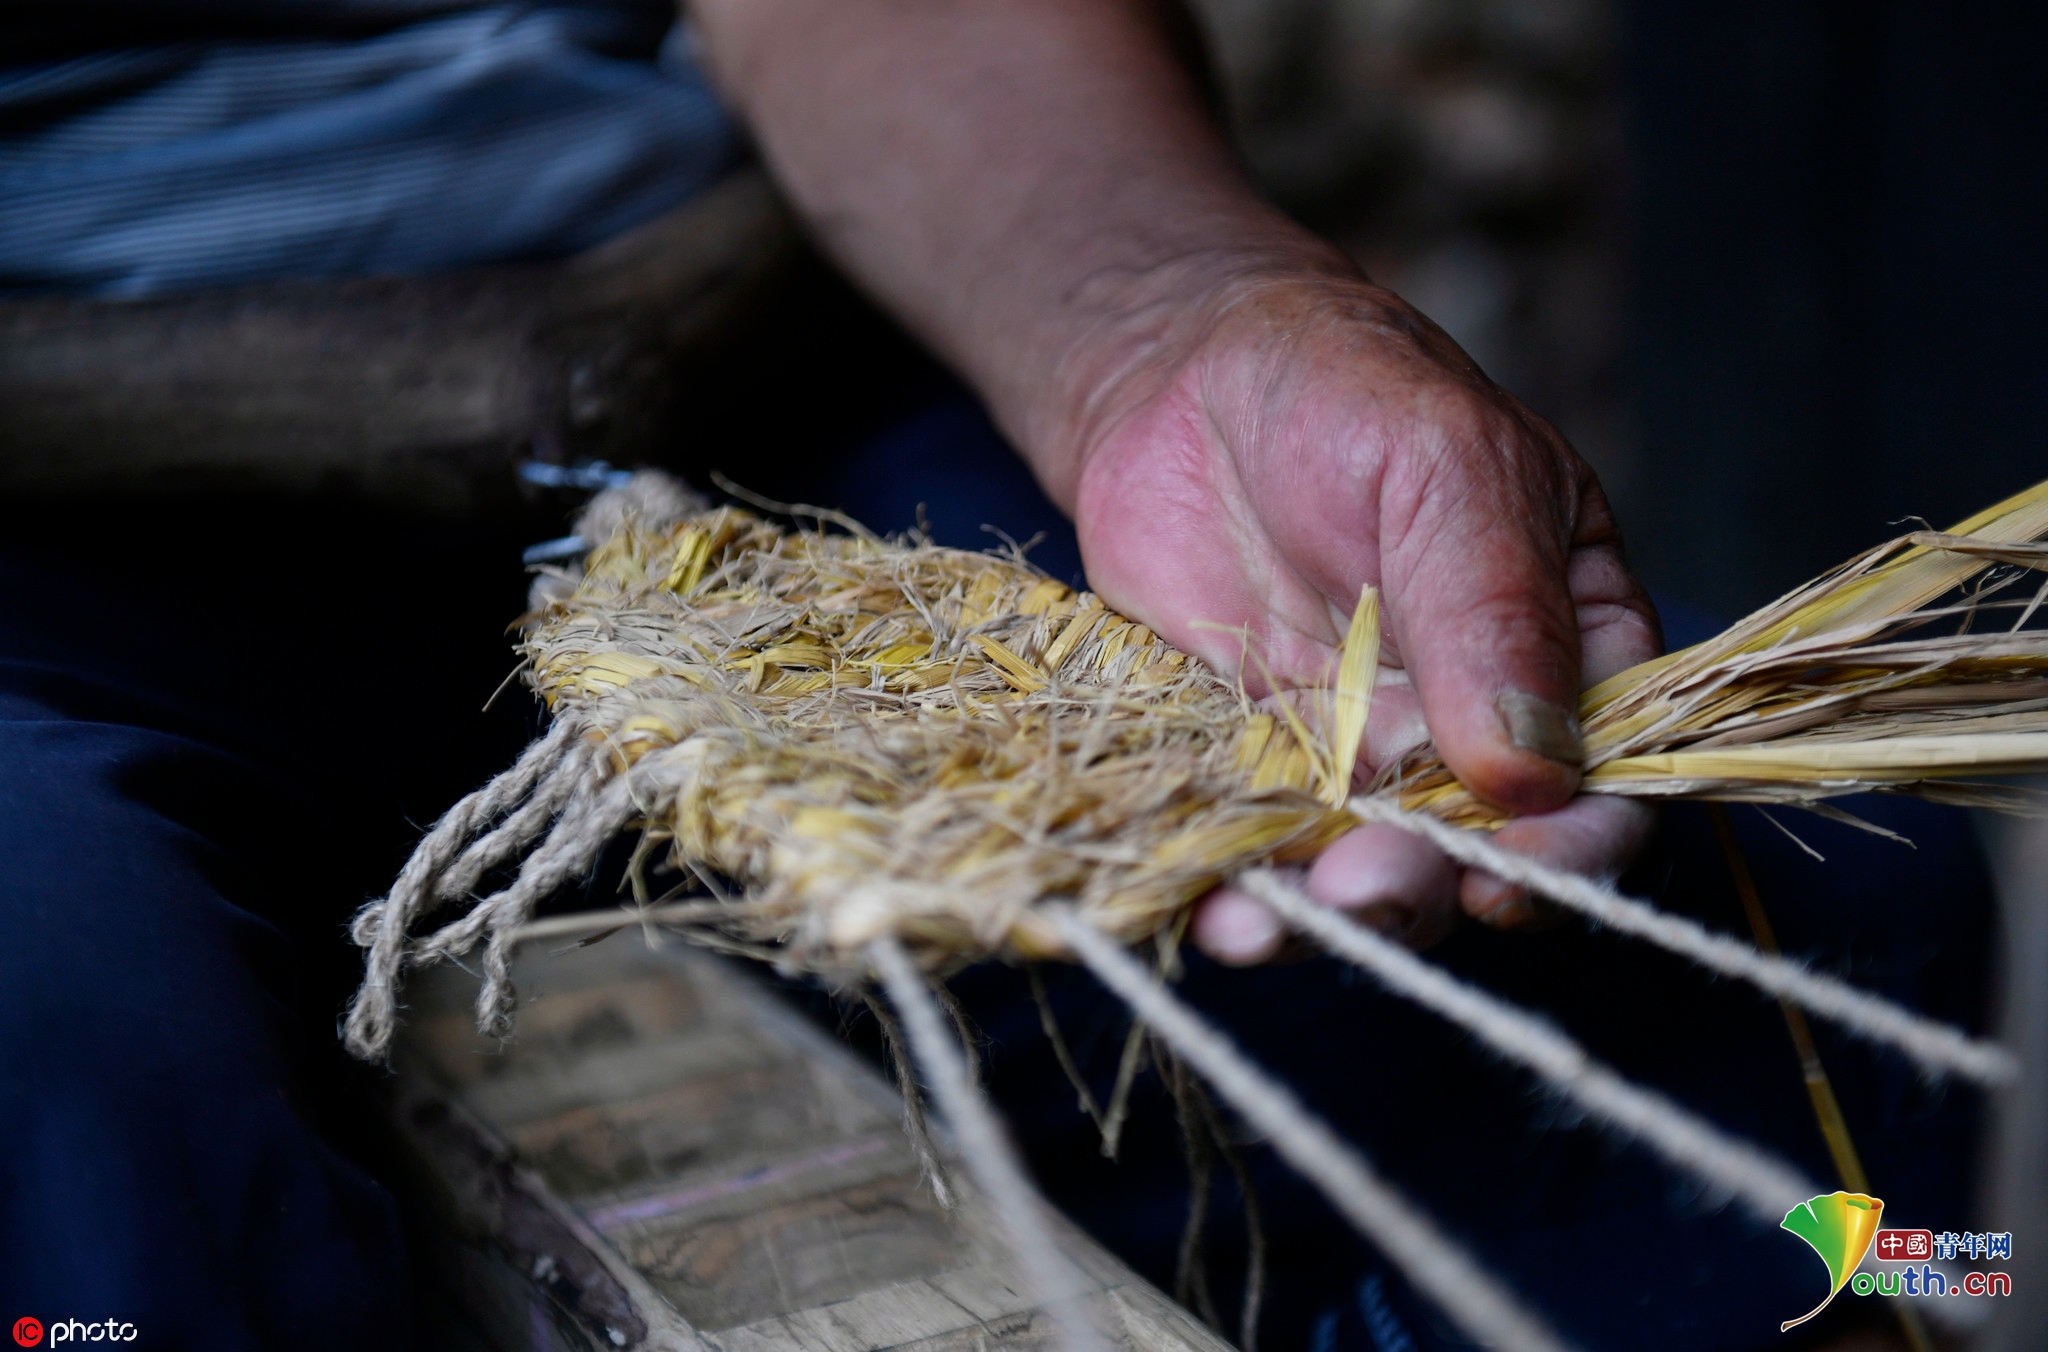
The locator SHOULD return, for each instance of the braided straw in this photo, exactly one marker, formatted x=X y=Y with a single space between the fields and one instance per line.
x=886 y=738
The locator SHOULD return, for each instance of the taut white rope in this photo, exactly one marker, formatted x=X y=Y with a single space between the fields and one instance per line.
x=983 y=1146
x=1936 y=1046
x=1728 y=1165
x=1436 y=1264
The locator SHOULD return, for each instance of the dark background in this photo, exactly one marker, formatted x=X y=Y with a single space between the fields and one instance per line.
x=1775 y=266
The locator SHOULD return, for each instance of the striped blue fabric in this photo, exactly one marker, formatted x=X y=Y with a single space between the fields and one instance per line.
x=342 y=139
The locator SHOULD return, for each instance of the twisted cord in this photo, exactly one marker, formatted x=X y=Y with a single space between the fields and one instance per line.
x=573 y=832
x=929 y=1166
x=550 y=797
x=570 y=849
x=1728 y=1165
x=1937 y=1046
x=381 y=926
x=987 y=1151
x=1438 y=1266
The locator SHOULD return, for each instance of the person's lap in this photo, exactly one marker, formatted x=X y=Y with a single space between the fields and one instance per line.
x=201 y=775
x=161 y=1166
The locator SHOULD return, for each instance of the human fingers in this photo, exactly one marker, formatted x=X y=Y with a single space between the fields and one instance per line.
x=1381 y=876
x=1617 y=629
x=1594 y=834
x=1393 y=881
x=1618 y=626
x=1478 y=513
x=1236 y=928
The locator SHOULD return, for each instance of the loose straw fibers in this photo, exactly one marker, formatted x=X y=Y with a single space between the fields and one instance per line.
x=874 y=737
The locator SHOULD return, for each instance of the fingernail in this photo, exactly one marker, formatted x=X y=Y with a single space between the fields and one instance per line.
x=1524 y=913
x=1537 y=725
x=1514 y=914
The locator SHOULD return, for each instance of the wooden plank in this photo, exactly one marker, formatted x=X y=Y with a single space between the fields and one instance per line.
x=721 y=1271
x=887 y=1317
x=1028 y=1331
x=768 y=1335
x=470 y=1196
x=617 y=1073
x=670 y=1156
x=986 y=1290
x=709 y=1122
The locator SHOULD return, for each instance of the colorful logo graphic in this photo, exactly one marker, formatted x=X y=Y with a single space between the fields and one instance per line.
x=1839 y=1227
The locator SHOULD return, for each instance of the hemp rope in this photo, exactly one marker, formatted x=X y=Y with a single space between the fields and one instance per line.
x=578 y=838
x=382 y=925
x=1937 y=1046
x=1728 y=1165
x=558 y=781
x=988 y=1153
x=1437 y=1265
x=570 y=849
x=519 y=828
x=447 y=860
x=563 y=793
x=930 y=1167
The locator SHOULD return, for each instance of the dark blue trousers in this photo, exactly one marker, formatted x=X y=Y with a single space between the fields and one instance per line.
x=200 y=777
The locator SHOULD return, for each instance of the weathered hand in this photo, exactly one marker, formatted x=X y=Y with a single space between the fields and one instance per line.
x=1245 y=428
x=1266 y=442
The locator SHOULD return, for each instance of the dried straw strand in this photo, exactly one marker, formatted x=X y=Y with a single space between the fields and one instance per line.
x=1048 y=1023
x=1870 y=677
x=930 y=1166
x=1191 y=1269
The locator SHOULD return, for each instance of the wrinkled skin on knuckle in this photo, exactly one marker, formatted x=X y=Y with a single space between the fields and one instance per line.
x=1477 y=524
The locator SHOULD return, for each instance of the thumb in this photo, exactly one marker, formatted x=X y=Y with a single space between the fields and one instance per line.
x=1474 y=554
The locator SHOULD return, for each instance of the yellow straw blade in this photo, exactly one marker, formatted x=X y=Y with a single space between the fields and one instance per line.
x=1356 y=671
